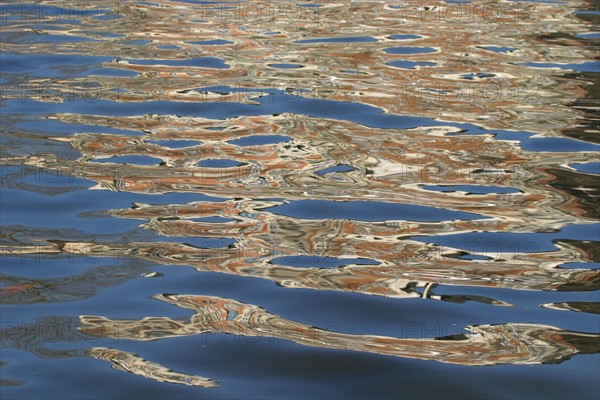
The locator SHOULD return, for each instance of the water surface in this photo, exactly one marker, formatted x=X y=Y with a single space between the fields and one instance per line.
x=266 y=200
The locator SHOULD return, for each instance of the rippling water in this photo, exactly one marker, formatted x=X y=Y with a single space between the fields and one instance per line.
x=300 y=200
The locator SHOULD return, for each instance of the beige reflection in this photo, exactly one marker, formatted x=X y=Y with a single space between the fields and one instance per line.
x=581 y=306
x=37 y=338
x=484 y=345
x=129 y=362
x=411 y=272
x=509 y=96
x=389 y=165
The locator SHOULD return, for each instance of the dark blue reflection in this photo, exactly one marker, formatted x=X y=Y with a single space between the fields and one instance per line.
x=367 y=211
x=590 y=168
x=335 y=168
x=219 y=163
x=404 y=64
x=136 y=160
x=317 y=261
x=259 y=140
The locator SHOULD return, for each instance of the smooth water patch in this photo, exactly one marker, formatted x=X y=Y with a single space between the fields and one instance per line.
x=353 y=72
x=589 y=168
x=219 y=163
x=49 y=65
x=175 y=144
x=22 y=207
x=50 y=38
x=529 y=143
x=318 y=261
x=133 y=160
x=409 y=50
x=74 y=70
x=404 y=64
x=367 y=211
x=580 y=265
x=474 y=257
x=43 y=181
x=472 y=189
x=39 y=11
x=285 y=66
x=508 y=243
x=589 y=66
x=202 y=62
x=556 y=144
x=139 y=42
x=48 y=266
x=589 y=35
x=109 y=34
x=335 y=168
x=275 y=103
x=499 y=49
x=404 y=37
x=260 y=140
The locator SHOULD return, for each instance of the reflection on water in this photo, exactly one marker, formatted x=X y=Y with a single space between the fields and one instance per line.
x=129 y=362
x=315 y=146
x=485 y=345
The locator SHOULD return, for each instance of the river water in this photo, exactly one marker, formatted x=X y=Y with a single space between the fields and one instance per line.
x=265 y=200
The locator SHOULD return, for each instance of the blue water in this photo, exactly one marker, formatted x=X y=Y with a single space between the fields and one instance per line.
x=336 y=168
x=499 y=49
x=261 y=154
x=204 y=62
x=409 y=50
x=285 y=66
x=591 y=66
x=259 y=140
x=409 y=64
x=404 y=37
x=367 y=211
x=591 y=168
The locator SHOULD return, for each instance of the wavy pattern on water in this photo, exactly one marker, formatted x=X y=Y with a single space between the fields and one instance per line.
x=506 y=96
x=387 y=169
x=129 y=362
x=27 y=337
x=484 y=345
x=351 y=135
x=404 y=266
